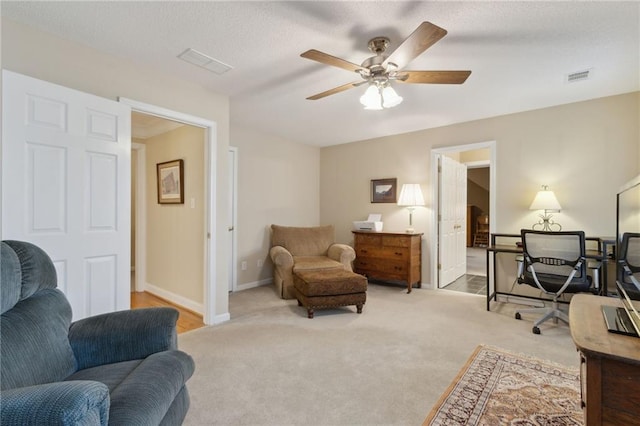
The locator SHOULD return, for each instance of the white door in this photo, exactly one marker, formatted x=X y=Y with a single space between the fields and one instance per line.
x=452 y=246
x=66 y=171
x=233 y=179
x=460 y=220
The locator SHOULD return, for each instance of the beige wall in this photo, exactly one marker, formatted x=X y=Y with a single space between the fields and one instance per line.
x=41 y=55
x=175 y=232
x=584 y=151
x=278 y=182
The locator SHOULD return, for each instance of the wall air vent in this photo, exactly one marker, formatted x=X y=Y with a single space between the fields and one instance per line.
x=200 y=59
x=579 y=76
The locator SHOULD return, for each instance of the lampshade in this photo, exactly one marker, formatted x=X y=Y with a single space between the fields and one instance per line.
x=411 y=195
x=379 y=96
x=372 y=98
x=390 y=98
x=545 y=200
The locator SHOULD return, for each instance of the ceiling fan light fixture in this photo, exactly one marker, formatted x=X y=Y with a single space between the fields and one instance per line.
x=390 y=98
x=372 y=99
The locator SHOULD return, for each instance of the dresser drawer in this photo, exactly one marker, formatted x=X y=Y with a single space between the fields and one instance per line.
x=368 y=240
x=393 y=241
x=387 y=253
x=382 y=271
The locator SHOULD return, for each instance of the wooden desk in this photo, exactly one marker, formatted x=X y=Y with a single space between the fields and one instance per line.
x=609 y=364
x=494 y=249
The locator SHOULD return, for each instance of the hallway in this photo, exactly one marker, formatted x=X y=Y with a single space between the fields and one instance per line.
x=474 y=281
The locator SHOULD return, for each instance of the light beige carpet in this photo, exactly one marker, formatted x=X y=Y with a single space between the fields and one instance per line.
x=496 y=387
x=271 y=365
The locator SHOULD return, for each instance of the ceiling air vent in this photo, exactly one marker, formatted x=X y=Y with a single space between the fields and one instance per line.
x=200 y=59
x=579 y=76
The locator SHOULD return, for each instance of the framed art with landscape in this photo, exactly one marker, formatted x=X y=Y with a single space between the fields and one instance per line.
x=383 y=190
x=171 y=182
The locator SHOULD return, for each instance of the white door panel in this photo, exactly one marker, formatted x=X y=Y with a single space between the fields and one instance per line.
x=460 y=220
x=66 y=187
x=453 y=196
x=232 y=161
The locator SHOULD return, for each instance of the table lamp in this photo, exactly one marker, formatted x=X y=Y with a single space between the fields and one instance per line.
x=411 y=197
x=546 y=200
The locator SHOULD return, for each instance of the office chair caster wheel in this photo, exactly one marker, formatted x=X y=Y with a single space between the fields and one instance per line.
x=518 y=315
x=535 y=330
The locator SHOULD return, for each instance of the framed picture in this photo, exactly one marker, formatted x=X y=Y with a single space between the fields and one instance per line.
x=383 y=190
x=171 y=182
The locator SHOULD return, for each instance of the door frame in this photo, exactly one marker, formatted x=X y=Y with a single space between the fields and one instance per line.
x=233 y=261
x=436 y=154
x=210 y=315
x=140 y=271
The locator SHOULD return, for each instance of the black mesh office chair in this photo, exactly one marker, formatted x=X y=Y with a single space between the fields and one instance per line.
x=555 y=263
x=628 y=270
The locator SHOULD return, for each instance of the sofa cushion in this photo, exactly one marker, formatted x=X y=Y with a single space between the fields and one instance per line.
x=35 y=348
x=329 y=282
x=305 y=263
x=142 y=391
x=36 y=269
x=305 y=241
x=11 y=278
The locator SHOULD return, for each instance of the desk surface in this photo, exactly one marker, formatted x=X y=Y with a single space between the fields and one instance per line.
x=590 y=334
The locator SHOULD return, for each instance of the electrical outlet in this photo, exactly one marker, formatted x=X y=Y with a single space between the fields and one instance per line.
x=259 y=263
x=243 y=265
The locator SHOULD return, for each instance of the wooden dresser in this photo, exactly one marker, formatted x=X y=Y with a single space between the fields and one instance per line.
x=389 y=256
x=609 y=364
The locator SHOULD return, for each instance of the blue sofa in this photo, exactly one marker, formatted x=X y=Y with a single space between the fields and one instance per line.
x=120 y=368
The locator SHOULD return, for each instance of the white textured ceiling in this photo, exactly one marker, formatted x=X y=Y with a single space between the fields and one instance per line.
x=519 y=54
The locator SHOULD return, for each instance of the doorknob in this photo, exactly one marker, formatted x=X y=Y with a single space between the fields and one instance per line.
x=230 y=228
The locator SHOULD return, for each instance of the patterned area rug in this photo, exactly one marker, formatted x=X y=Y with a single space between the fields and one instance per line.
x=496 y=387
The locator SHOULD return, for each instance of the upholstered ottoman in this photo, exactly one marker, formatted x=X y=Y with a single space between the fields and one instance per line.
x=329 y=288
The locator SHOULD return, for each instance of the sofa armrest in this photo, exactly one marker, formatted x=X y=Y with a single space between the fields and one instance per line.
x=343 y=253
x=63 y=403
x=123 y=336
x=282 y=271
x=281 y=257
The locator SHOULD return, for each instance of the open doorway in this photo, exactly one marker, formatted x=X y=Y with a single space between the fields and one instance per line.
x=167 y=239
x=209 y=232
x=463 y=215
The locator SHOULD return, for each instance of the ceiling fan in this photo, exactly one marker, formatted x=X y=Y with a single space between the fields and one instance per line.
x=381 y=69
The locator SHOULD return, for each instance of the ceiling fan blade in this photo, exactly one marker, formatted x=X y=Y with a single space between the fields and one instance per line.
x=324 y=58
x=420 y=40
x=433 y=77
x=336 y=90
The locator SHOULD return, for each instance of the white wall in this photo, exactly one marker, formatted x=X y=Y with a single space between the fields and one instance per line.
x=50 y=58
x=584 y=151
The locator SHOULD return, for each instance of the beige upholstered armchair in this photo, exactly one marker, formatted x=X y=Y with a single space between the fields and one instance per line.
x=296 y=249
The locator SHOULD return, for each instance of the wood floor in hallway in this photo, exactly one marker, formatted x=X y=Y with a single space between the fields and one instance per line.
x=187 y=320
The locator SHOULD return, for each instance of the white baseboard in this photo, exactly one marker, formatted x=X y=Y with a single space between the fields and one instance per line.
x=427 y=286
x=254 y=284
x=175 y=298
x=219 y=319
